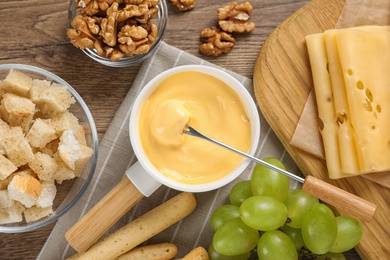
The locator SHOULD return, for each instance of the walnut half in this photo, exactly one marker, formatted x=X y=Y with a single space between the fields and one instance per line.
x=216 y=42
x=234 y=17
x=184 y=5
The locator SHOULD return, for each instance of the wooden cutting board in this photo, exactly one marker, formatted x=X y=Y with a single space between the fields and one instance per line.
x=282 y=83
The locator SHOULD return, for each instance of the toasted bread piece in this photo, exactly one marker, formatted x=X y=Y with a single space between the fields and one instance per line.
x=35 y=213
x=12 y=120
x=18 y=106
x=38 y=86
x=48 y=193
x=55 y=99
x=12 y=214
x=41 y=133
x=63 y=172
x=17 y=148
x=17 y=82
x=69 y=149
x=44 y=166
x=5 y=200
x=25 y=189
x=86 y=153
x=6 y=167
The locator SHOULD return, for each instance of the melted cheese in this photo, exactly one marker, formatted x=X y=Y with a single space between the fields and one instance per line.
x=213 y=108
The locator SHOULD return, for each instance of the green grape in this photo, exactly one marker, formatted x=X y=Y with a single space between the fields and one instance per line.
x=214 y=255
x=295 y=235
x=235 y=238
x=331 y=256
x=298 y=202
x=269 y=182
x=349 y=233
x=240 y=192
x=263 y=213
x=224 y=214
x=319 y=228
x=276 y=245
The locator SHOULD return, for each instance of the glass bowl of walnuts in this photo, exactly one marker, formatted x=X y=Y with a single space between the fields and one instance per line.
x=48 y=147
x=117 y=33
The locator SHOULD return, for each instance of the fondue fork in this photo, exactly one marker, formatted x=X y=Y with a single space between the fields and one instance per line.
x=341 y=199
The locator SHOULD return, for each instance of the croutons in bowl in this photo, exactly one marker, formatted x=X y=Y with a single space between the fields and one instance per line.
x=48 y=147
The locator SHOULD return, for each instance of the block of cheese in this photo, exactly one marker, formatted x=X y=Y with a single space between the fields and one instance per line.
x=352 y=90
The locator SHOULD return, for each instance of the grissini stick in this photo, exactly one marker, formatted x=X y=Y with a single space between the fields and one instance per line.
x=141 y=229
x=339 y=198
x=114 y=205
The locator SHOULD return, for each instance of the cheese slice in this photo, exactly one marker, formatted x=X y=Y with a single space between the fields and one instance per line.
x=325 y=103
x=351 y=79
x=345 y=135
x=365 y=62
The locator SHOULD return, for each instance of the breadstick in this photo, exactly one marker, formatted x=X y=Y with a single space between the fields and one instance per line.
x=163 y=251
x=198 y=253
x=141 y=229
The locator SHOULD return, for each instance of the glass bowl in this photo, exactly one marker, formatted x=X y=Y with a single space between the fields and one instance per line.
x=70 y=191
x=161 y=22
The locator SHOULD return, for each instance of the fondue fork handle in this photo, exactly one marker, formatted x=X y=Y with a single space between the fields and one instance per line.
x=339 y=198
x=87 y=230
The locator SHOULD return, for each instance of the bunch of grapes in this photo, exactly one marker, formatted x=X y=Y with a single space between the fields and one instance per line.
x=264 y=216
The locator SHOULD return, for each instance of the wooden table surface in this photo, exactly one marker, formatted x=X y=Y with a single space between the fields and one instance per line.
x=34 y=32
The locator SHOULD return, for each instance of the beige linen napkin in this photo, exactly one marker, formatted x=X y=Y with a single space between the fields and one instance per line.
x=116 y=155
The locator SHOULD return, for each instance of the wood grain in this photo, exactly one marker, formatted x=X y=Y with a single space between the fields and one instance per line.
x=282 y=82
x=34 y=32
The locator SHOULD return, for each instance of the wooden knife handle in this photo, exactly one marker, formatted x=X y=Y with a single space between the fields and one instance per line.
x=339 y=198
x=103 y=215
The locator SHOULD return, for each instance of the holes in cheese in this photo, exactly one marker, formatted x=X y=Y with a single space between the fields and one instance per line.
x=351 y=64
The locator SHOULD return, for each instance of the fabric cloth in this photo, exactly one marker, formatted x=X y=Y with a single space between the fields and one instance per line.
x=116 y=155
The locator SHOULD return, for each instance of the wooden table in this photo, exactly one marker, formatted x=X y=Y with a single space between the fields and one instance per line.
x=34 y=32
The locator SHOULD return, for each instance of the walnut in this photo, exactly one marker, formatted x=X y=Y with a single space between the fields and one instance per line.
x=130 y=10
x=109 y=25
x=234 y=17
x=85 y=34
x=92 y=7
x=217 y=42
x=133 y=40
x=109 y=52
x=184 y=5
x=115 y=28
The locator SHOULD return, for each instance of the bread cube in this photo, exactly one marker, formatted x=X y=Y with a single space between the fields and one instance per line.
x=44 y=166
x=55 y=99
x=49 y=191
x=25 y=189
x=6 y=167
x=86 y=153
x=38 y=86
x=69 y=149
x=51 y=148
x=63 y=172
x=18 y=106
x=5 y=200
x=17 y=82
x=23 y=121
x=41 y=133
x=35 y=213
x=17 y=148
x=12 y=214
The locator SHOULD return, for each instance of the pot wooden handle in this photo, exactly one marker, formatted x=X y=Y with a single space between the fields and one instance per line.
x=103 y=215
x=354 y=205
